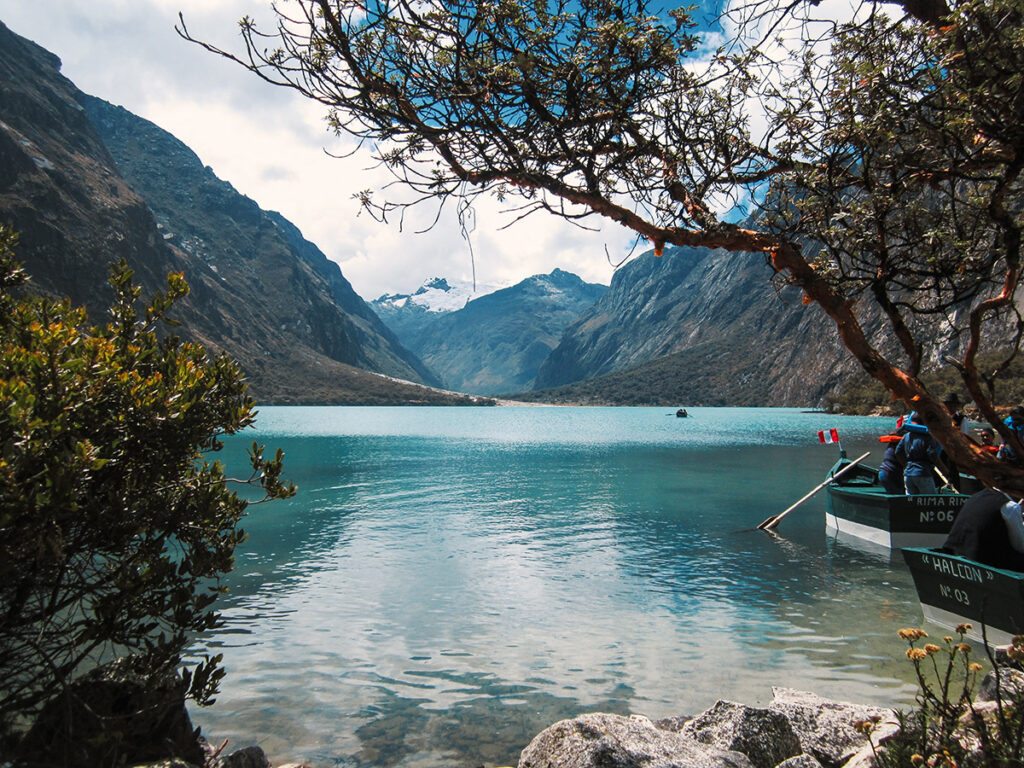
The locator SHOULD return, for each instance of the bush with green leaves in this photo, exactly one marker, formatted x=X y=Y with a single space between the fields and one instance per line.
x=951 y=727
x=115 y=526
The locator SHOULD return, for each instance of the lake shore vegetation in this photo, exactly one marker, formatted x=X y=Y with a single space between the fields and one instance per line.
x=863 y=396
x=960 y=719
x=116 y=522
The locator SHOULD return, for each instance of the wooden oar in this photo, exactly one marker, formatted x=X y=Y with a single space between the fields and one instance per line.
x=774 y=520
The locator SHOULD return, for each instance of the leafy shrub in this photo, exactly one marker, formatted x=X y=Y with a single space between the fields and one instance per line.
x=114 y=525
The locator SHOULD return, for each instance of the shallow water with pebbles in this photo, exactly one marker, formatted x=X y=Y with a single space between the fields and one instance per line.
x=450 y=581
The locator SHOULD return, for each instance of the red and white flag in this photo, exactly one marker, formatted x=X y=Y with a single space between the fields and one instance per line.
x=901 y=421
x=828 y=436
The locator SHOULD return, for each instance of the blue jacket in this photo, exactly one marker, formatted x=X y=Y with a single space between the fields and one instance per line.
x=920 y=452
x=890 y=463
x=1005 y=451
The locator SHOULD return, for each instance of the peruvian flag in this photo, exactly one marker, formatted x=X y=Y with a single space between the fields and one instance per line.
x=901 y=421
x=828 y=436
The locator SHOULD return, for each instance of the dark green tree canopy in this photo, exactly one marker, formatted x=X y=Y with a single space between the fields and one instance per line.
x=884 y=151
x=115 y=524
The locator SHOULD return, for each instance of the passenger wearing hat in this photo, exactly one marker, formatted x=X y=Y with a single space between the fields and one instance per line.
x=1015 y=422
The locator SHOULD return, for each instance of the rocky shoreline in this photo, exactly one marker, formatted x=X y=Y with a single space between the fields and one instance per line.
x=797 y=729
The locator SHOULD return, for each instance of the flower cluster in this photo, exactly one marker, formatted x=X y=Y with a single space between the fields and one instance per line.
x=948 y=728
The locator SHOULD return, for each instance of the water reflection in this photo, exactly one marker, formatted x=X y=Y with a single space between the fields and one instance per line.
x=439 y=595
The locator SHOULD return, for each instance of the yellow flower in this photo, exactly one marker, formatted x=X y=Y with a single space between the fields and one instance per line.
x=863 y=726
x=962 y=629
x=931 y=649
x=916 y=759
x=947 y=640
x=975 y=667
x=916 y=654
x=964 y=648
x=912 y=634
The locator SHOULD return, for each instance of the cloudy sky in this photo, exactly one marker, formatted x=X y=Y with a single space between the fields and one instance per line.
x=270 y=144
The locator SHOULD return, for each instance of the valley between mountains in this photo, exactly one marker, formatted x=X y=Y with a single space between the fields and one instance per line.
x=86 y=182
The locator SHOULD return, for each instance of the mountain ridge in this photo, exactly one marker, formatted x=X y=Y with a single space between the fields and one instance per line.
x=268 y=297
x=195 y=209
x=713 y=324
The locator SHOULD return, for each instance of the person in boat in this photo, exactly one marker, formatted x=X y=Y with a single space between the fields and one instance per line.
x=921 y=455
x=1015 y=422
x=681 y=413
x=989 y=529
x=890 y=471
x=987 y=439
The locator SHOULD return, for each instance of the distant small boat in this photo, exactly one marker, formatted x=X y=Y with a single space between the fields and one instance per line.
x=857 y=505
x=681 y=413
x=955 y=590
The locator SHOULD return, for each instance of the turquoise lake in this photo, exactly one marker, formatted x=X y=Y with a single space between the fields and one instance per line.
x=450 y=581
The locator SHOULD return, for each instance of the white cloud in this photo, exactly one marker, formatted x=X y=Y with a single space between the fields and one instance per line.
x=269 y=143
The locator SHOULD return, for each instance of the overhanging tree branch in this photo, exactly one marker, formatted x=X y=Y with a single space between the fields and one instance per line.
x=883 y=161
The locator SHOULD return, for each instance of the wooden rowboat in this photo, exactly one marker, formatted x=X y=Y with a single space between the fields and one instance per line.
x=858 y=506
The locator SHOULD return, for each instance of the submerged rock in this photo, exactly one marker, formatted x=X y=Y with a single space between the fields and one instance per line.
x=247 y=757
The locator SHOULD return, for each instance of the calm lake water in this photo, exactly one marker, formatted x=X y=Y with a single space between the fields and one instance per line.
x=450 y=581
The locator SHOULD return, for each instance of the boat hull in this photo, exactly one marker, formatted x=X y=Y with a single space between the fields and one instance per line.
x=857 y=506
x=895 y=521
x=955 y=590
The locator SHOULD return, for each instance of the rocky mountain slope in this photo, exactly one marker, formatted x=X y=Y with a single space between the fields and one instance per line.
x=698 y=327
x=497 y=342
x=259 y=290
x=297 y=285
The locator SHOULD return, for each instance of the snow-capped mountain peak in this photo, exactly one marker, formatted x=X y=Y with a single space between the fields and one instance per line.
x=436 y=295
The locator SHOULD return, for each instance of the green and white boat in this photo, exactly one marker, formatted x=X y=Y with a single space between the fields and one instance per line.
x=857 y=506
x=955 y=590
